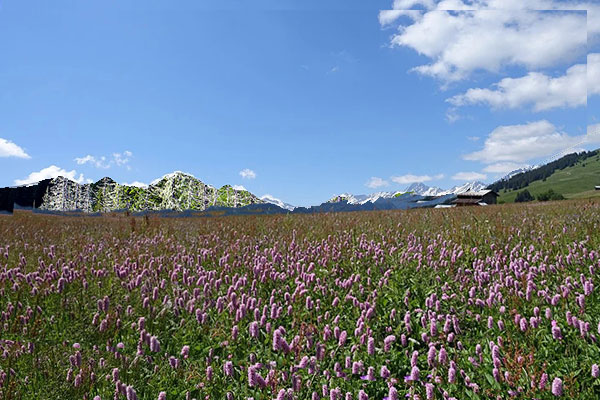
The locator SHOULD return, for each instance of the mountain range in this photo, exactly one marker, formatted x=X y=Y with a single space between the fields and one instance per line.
x=177 y=191
x=416 y=188
x=573 y=175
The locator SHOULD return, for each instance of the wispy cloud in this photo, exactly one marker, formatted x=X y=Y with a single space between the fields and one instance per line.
x=51 y=172
x=103 y=162
x=247 y=173
x=376 y=182
x=10 y=149
x=503 y=167
x=410 y=178
x=469 y=176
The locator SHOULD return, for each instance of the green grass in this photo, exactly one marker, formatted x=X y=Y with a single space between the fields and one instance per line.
x=577 y=181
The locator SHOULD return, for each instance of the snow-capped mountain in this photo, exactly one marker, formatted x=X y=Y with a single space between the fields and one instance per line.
x=423 y=190
x=416 y=188
x=273 y=200
x=474 y=186
x=363 y=198
x=176 y=191
x=518 y=171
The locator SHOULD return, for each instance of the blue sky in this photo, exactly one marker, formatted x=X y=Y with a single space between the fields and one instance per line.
x=314 y=99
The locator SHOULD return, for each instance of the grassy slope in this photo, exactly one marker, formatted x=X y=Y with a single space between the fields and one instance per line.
x=577 y=181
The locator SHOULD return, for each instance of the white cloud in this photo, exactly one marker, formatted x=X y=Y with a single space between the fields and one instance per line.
x=122 y=159
x=247 y=173
x=387 y=17
x=460 y=43
x=376 y=182
x=503 y=167
x=473 y=138
x=239 y=187
x=118 y=159
x=9 y=149
x=98 y=162
x=136 y=184
x=519 y=143
x=593 y=74
x=469 y=176
x=536 y=89
x=591 y=6
x=52 y=172
x=410 y=178
x=593 y=134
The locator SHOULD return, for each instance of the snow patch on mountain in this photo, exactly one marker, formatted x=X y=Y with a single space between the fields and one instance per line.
x=273 y=200
x=519 y=171
x=416 y=188
x=363 y=198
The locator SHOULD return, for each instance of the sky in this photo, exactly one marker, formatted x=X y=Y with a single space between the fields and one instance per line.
x=299 y=101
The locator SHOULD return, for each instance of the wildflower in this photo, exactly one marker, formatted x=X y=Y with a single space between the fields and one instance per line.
x=452 y=374
x=185 y=351
x=431 y=356
x=443 y=356
x=429 y=391
x=556 y=334
x=557 y=387
x=496 y=374
x=543 y=381
x=414 y=373
x=162 y=396
x=595 y=371
x=154 y=344
x=414 y=358
x=371 y=373
x=384 y=372
x=228 y=368
x=130 y=393
x=371 y=346
x=387 y=342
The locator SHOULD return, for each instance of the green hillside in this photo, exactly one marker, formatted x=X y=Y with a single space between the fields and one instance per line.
x=576 y=181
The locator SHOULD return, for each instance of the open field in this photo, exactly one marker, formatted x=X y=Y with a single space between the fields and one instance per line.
x=466 y=303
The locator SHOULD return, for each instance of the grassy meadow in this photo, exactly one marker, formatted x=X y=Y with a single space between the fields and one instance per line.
x=469 y=303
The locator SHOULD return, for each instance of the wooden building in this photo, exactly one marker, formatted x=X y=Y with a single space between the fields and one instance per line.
x=480 y=198
x=598 y=187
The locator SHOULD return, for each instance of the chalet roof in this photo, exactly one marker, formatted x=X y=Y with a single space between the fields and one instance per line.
x=480 y=193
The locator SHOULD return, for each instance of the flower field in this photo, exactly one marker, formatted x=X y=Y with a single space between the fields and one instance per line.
x=474 y=303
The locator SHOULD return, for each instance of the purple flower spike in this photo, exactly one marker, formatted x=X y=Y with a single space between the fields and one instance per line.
x=557 y=387
x=414 y=373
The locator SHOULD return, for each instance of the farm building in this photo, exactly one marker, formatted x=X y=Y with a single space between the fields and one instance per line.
x=598 y=187
x=480 y=198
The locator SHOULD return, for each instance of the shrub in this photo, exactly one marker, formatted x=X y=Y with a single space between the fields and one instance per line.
x=524 y=196
x=550 y=195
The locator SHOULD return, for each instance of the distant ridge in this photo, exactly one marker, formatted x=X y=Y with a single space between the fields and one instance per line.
x=572 y=176
x=522 y=179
